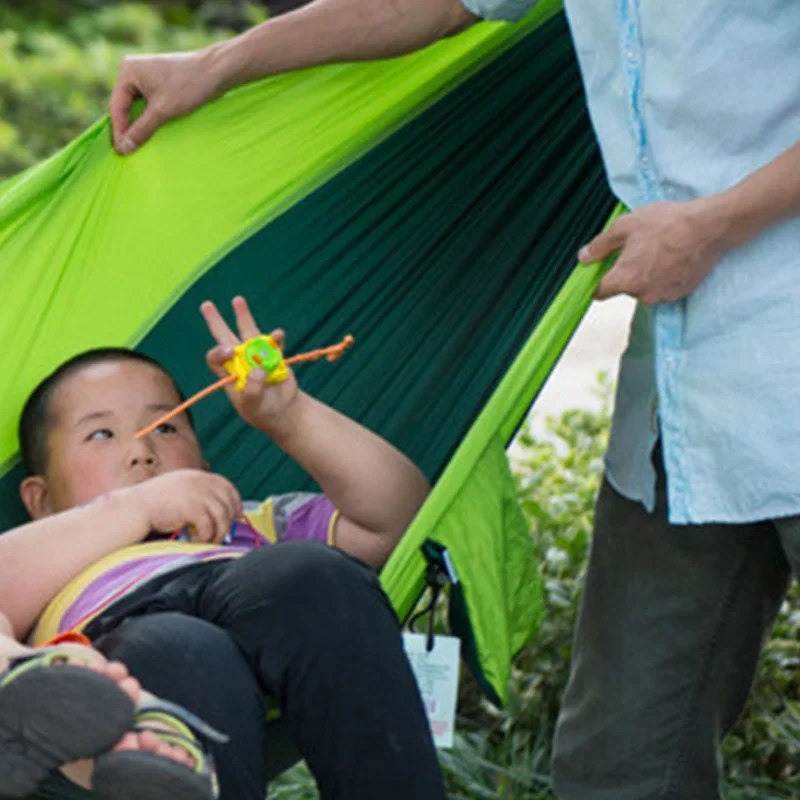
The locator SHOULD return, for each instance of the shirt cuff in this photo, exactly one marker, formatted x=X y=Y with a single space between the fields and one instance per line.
x=505 y=10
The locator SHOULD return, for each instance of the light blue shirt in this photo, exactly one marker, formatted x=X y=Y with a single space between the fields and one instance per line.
x=687 y=98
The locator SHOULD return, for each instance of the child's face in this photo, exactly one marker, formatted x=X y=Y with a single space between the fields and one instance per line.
x=91 y=447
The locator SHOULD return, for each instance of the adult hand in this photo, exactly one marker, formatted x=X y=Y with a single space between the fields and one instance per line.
x=665 y=251
x=173 y=84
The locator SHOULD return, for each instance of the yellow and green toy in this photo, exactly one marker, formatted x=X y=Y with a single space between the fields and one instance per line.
x=262 y=352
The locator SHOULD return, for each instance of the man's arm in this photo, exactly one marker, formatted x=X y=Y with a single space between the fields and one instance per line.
x=667 y=249
x=324 y=31
x=769 y=196
x=329 y=31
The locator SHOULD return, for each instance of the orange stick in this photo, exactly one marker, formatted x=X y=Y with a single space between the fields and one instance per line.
x=331 y=353
x=184 y=405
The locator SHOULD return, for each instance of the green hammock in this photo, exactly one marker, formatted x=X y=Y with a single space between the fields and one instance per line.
x=430 y=205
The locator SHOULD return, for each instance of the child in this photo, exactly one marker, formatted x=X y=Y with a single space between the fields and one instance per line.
x=222 y=622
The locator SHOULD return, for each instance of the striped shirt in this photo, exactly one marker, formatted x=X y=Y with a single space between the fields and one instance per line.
x=283 y=518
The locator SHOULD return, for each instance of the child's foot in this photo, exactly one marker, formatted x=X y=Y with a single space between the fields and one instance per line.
x=161 y=759
x=149 y=742
x=59 y=705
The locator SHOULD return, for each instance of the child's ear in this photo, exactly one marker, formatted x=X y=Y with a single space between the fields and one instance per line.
x=36 y=496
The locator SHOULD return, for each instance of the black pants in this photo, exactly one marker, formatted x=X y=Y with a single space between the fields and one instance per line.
x=306 y=625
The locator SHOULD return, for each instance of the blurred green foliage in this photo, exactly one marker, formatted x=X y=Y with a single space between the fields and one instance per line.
x=57 y=67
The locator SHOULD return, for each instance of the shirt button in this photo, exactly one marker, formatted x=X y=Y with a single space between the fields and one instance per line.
x=632 y=56
x=670 y=362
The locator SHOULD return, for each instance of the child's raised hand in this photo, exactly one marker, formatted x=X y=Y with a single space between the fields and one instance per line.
x=259 y=404
x=170 y=502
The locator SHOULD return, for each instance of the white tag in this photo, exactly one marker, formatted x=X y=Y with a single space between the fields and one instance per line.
x=437 y=676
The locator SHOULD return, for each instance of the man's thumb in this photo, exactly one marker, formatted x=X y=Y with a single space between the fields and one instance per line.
x=139 y=132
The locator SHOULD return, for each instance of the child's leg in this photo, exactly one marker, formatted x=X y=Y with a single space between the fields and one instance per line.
x=190 y=662
x=9 y=646
x=326 y=643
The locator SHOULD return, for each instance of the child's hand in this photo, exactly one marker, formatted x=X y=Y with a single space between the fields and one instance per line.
x=259 y=404
x=170 y=502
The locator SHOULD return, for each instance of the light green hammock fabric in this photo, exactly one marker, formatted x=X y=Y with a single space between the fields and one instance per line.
x=430 y=205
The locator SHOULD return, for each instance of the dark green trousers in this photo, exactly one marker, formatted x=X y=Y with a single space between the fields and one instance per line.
x=671 y=623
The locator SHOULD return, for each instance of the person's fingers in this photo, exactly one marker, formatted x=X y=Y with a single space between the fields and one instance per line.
x=221 y=519
x=227 y=507
x=250 y=396
x=217 y=326
x=119 y=107
x=202 y=526
x=607 y=288
x=140 y=131
x=248 y=329
x=216 y=357
x=279 y=335
x=618 y=280
x=231 y=498
x=604 y=244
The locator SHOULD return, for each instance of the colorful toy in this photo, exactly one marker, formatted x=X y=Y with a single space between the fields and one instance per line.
x=261 y=352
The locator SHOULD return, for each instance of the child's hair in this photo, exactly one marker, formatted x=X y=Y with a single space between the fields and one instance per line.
x=36 y=421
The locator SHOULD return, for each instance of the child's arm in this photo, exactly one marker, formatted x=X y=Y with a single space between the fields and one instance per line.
x=375 y=488
x=39 y=559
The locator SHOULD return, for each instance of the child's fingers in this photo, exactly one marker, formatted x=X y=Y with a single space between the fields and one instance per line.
x=256 y=379
x=216 y=357
x=279 y=335
x=248 y=329
x=250 y=396
x=217 y=326
x=202 y=526
x=221 y=518
x=230 y=499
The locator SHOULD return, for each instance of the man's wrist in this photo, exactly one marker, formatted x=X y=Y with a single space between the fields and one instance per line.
x=222 y=63
x=725 y=220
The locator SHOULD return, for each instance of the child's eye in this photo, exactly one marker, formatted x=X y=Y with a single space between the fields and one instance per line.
x=166 y=427
x=101 y=433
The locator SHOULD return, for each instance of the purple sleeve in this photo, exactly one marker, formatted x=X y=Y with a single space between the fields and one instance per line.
x=303 y=518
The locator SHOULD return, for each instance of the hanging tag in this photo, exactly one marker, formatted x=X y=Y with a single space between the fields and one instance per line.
x=436 y=672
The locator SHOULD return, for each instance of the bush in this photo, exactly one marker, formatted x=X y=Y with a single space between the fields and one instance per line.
x=54 y=83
